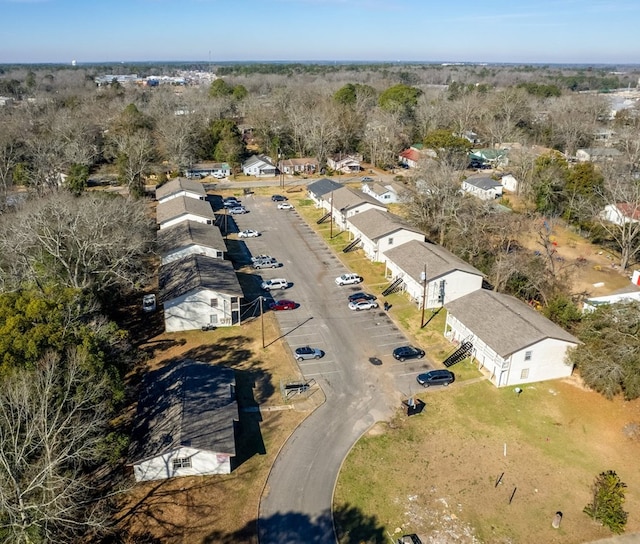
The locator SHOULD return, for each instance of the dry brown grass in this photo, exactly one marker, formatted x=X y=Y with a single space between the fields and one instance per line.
x=221 y=508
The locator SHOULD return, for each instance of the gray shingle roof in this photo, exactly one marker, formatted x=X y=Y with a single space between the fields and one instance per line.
x=188 y=233
x=180 y=184
x=485 y=183
x=323 y=186
x=375 y=224
x=414 y=255
x=504 y=323
x=197 y=271
x=346 y=198
x=186 y=403
x=182 y=205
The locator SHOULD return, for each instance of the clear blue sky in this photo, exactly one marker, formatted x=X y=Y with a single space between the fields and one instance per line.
x=547 y=31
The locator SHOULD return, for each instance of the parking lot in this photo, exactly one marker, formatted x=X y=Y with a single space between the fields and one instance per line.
x=357 y=344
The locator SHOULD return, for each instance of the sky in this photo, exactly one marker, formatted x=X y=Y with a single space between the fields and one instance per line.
x=512 y=31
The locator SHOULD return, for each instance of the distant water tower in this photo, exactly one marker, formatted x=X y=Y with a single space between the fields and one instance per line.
x=73 y=62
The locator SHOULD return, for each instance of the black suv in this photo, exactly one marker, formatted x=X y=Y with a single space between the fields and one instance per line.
x=279 y=198
x=407 y=352
x=436 y=377
x=361 y=296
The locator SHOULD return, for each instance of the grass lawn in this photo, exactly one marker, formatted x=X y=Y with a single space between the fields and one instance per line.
x=436 y=473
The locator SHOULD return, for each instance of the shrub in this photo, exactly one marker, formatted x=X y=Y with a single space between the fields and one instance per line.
x=608 y=498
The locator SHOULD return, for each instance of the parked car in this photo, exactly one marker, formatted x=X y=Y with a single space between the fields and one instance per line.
x=436 y=377
x=366 y=179
x=248 y=233
x=238 y=210
x=407 y=352
x=218 y=175
x=149 y=303
x=230 y=202
x=348 y=279
x=266 y=263
x=260 y=257
x=307 y=352
x=358 y=305
x=360 y=295
x=279 y=198
x=285 y=206
x=283 y=304
x=277 y=283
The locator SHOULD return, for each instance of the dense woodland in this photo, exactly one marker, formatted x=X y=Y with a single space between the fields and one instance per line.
x=69 y=257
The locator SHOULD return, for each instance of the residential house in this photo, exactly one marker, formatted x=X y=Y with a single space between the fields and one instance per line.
x=621 y=213
x=204 y=169
x=471 y=137
x=348 y=164
x=496 y=158
x=183 y=208
x=260 y=166
x=412 y=156
x=509 y=183
x=305 y=165
x=6 y=101
x=190 y=238
x=512 y=343
x=431 y=275
x=483 y=187
x=379 y=231
x=385 y=193
x=320 y=191
x=346 y=202
x=598 y=154
x=199 y=291
x=185 y=422
x=592 y=303
x=180 y=187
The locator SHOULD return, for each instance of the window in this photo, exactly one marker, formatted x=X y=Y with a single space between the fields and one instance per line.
x=390 y=241
x=524 y=374
x=527 y=355
x=213 y=319
x=214 y=302
x=182 y=462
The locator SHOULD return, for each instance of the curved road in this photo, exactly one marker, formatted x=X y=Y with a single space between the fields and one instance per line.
x=296 y=504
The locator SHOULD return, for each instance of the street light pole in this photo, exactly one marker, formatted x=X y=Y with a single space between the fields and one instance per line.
x=423 y=277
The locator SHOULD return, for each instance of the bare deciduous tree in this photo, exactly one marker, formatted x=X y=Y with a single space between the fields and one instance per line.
x=92 y=242
x=52 y=420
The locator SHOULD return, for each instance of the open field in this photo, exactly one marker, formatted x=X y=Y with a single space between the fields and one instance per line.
x=435 y=473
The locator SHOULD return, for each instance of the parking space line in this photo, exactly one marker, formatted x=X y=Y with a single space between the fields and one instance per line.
x=323 y=373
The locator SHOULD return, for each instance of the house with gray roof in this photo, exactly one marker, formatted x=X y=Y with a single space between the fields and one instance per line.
x=379 y=231
x=512 y=343
x=321 y=190
x=346 y=202
x=447 y=277
x=199 y=291
x=185 y=422
x=183 y=208
x=190 y=238
x=384 y=193
x=180 y=187
x=598 y=154
x=259 y=166
x=483 y=187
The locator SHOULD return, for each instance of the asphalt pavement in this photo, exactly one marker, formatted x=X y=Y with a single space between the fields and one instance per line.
x=361 y=381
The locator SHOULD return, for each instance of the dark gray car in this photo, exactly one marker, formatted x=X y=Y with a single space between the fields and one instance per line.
x=436 y=377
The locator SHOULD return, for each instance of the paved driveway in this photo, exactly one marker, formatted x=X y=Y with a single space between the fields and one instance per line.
x=362 y=382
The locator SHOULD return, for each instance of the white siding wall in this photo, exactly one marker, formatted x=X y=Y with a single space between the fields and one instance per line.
x=202 y=463
x=185 y=217
x=193 y=310
x=457 y=284
x=545 y=358
x=374 y=249
x=181 y=193
x=194 y=249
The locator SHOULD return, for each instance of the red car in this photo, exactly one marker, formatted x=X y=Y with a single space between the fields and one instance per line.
x=282 y=305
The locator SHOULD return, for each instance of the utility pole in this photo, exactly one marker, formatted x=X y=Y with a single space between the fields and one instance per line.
x=331 y=218
x=423 y=277
x=262 y=321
